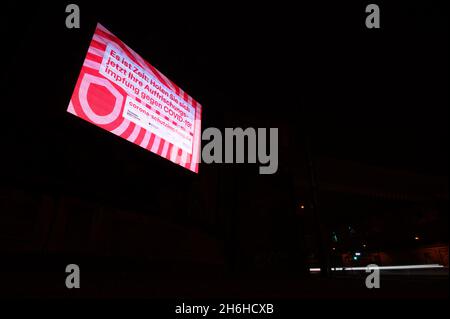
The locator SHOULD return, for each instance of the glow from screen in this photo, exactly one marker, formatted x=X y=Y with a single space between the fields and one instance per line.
x=122 y=93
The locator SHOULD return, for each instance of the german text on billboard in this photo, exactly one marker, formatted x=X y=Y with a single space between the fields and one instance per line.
x=124 y=94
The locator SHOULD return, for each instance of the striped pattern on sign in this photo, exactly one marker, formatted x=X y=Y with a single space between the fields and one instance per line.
x=100 y=101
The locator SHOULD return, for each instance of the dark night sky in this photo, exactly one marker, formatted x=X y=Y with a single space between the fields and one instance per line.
x=371 y=99
x=372 y=96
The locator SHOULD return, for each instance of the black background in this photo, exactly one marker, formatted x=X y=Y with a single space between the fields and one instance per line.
x=376 y=96
x=372 y=96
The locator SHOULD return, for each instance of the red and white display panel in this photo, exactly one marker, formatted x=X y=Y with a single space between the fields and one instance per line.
x=122 y=93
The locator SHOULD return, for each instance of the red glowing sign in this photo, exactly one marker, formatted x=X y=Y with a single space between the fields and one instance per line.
x=122 y=93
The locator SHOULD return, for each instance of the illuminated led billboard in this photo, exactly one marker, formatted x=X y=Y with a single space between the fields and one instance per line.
x=122 y=93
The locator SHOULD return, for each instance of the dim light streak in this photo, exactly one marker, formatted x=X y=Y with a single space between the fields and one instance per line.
x=404 y=267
